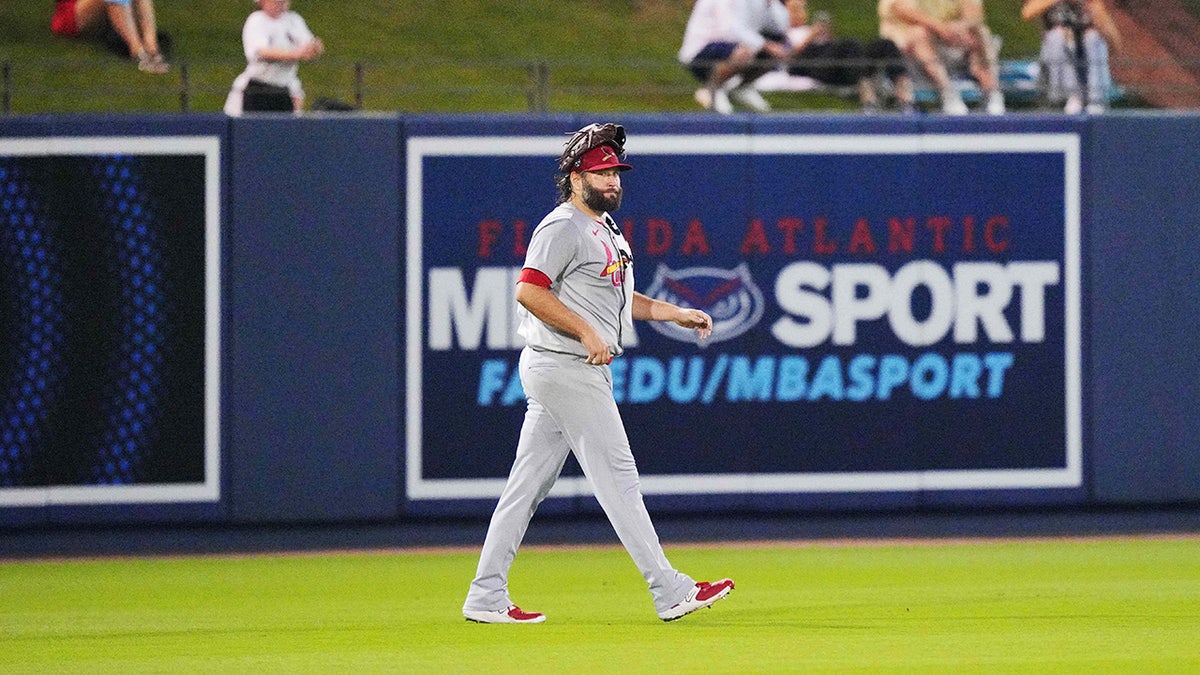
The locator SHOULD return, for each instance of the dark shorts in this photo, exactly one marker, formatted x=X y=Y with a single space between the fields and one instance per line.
x=263 y=97
x=845 y=61
x=708 y=58
x=63 y=21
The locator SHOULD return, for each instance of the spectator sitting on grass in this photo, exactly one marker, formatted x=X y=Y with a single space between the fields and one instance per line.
x=132 y=20
x=725 y=46
x=817 y=54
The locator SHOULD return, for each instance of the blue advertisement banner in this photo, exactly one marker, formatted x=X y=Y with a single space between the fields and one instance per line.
x=892 y=312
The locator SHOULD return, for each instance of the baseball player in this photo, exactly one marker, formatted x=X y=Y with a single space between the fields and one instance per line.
x=576 y=291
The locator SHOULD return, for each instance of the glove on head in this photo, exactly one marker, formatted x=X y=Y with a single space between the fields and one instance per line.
x=591 y=136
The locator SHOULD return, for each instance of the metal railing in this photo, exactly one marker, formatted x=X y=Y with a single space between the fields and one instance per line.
x=59 y=85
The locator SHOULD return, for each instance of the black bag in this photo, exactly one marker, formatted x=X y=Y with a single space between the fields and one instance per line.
x=113 y=42
x=328 y=104
x=262 y=97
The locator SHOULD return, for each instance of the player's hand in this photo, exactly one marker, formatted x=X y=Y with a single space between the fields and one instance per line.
x=694 y=318
x=599 y=353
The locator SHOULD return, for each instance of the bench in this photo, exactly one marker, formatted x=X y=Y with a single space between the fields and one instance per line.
x=1019 y=80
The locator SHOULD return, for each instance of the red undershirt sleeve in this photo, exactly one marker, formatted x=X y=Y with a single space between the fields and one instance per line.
x=535 y=277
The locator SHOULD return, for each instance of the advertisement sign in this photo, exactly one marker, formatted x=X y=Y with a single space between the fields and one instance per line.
x=892 y=312
x=109 y=372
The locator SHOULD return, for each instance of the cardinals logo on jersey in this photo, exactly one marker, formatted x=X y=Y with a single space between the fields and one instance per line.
x=729 y=296
x=616 y=264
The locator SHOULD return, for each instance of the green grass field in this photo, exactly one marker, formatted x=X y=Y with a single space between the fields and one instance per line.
x=417 y=55
x=1111 y=605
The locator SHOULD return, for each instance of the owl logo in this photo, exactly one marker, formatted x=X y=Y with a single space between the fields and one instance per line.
x=730 y=297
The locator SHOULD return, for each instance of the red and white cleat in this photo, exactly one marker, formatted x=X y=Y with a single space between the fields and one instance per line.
x=702 y=595
x=513 y=614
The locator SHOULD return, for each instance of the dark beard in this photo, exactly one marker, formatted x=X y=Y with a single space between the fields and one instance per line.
x=598 y=202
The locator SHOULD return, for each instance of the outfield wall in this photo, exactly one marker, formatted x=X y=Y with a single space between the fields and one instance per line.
x=284 y=320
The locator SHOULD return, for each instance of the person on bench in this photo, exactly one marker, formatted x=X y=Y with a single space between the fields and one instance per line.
x=936 y=32
x=1075 y=45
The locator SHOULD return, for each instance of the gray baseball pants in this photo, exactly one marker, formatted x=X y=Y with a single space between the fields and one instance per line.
x=571 y=409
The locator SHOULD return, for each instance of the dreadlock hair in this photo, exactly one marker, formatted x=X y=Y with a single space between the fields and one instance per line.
x=563 y=182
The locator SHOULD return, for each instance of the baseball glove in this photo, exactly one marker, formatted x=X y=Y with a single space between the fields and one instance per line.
x=591 y=136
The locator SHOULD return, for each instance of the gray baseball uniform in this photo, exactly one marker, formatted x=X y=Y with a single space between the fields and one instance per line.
x=571 y=409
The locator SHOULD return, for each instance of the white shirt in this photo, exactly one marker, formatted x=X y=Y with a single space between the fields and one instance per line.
x=288 y=31
x=739 y=21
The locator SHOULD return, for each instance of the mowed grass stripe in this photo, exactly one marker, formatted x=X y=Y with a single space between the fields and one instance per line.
x=1011 y=606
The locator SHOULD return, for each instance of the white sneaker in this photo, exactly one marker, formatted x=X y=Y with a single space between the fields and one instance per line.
x=1096 y=109
x=720 y=102
x=151 y=63
x=704 y=97
x=702 y=595
x=995 y=104
x=749 y=97
x=513 y=614
x=952 y=103
x=1074 y=106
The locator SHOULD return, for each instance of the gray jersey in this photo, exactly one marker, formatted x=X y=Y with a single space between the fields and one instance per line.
x=590 y=270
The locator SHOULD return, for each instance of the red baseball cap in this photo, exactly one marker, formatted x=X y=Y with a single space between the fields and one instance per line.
x=600 y=158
